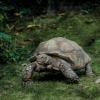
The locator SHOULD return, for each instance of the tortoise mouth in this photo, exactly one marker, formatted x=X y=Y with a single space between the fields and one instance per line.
x=39 y=62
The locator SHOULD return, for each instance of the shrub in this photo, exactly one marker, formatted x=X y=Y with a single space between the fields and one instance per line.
x=9 y=50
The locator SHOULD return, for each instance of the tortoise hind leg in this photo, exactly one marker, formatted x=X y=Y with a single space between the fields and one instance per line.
x=67 y=71
x=88 y=70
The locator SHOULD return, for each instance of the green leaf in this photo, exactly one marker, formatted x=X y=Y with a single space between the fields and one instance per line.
x=5 y=37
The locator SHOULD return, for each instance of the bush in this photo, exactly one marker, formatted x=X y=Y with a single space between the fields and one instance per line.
x=5 y=45
x=9 y=50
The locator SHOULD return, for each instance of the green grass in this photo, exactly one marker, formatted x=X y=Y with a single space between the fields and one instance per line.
x=47 y=86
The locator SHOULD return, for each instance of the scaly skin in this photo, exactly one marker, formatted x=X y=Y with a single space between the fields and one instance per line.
x=28 y=72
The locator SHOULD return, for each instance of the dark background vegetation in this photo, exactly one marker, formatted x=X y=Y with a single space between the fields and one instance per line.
x=26 y=23
x=15 y=15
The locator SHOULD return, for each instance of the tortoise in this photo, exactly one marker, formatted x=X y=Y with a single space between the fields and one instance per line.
x=59 y=54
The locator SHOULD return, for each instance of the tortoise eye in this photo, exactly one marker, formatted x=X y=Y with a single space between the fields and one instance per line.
x=42 y=57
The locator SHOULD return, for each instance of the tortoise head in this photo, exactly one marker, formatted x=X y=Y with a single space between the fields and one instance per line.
x=42 y=59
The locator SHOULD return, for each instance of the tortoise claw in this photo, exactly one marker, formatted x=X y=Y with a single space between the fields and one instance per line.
x=27 y=83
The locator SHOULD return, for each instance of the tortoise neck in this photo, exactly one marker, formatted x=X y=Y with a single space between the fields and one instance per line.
x=48 y=60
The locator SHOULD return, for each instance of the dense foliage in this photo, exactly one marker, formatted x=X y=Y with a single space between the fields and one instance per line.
x=20 y=38
x=10 y=51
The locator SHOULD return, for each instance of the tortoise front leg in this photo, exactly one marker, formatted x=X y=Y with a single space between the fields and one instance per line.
x=27 y=73
x=67 y=71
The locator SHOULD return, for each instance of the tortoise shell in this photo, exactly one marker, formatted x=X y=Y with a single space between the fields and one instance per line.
x=65 y=49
